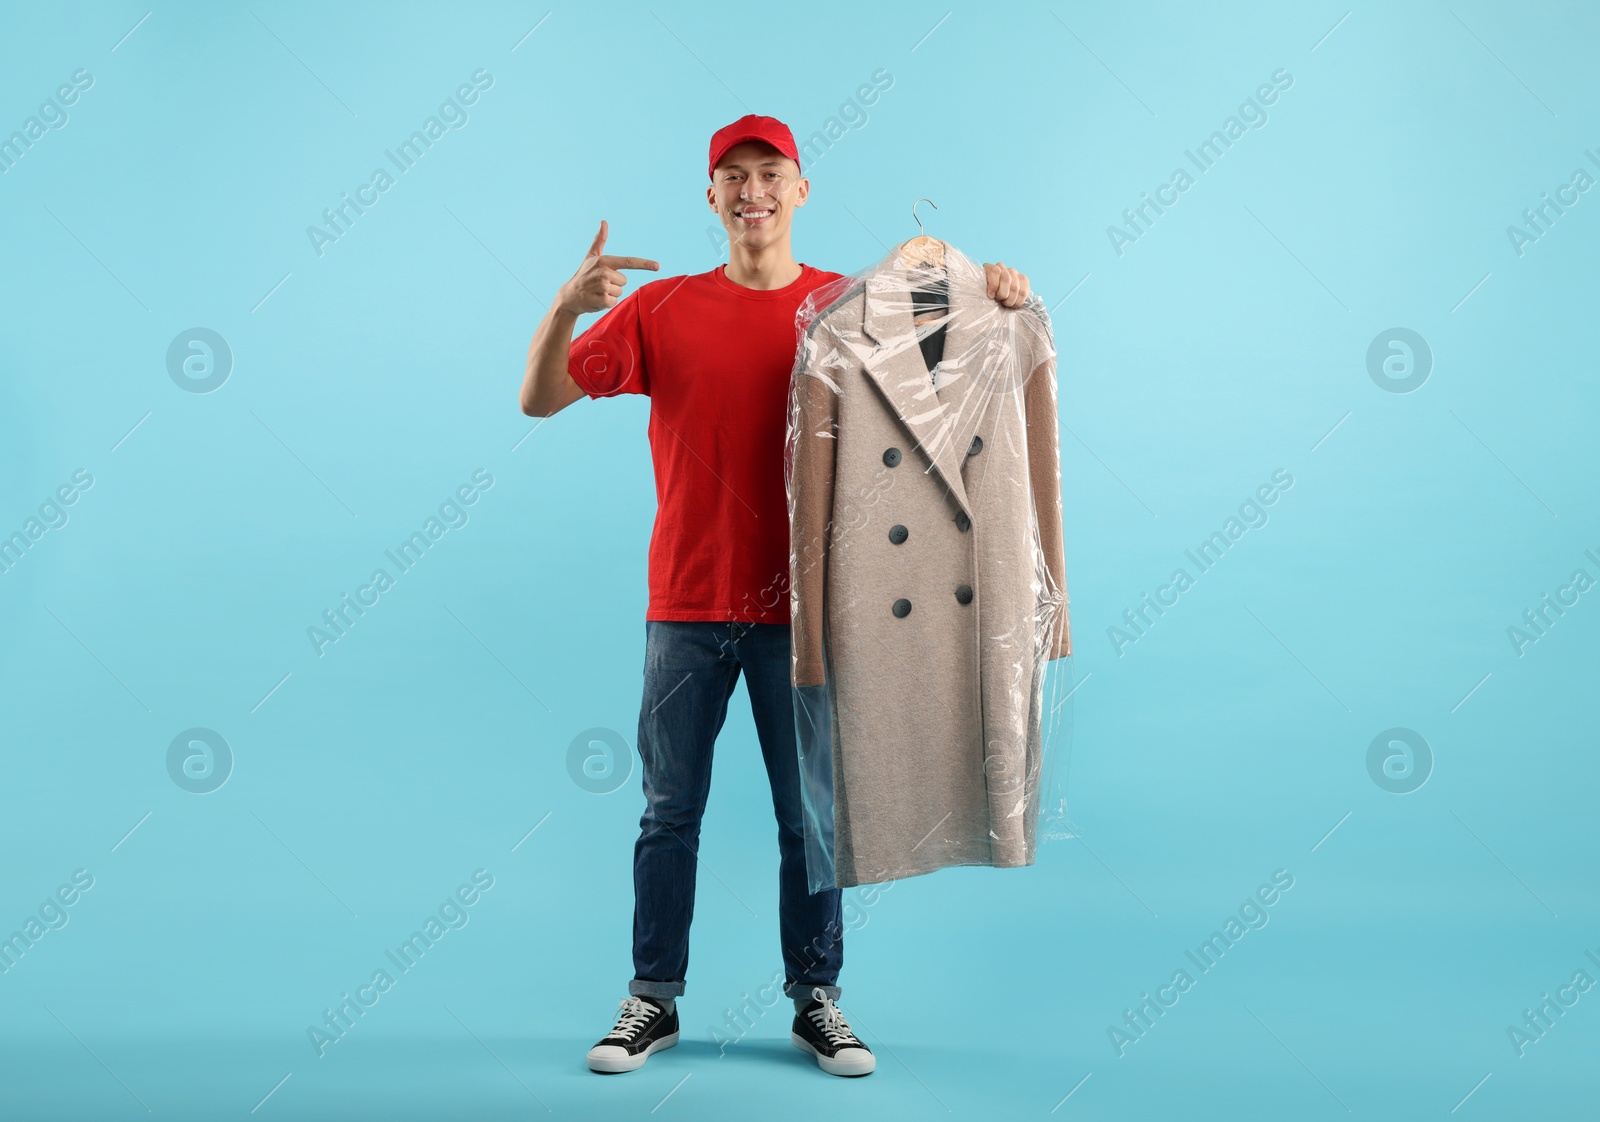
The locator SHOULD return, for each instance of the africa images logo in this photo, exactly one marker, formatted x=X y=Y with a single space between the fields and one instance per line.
x=452 y=515
x=404 y=156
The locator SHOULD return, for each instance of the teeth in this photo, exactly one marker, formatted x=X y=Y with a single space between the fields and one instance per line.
x=756 y=214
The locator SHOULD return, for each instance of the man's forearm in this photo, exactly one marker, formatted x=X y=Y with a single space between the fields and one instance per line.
x=546 y=386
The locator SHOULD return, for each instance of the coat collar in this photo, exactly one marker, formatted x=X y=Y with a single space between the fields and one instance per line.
x=942 y=423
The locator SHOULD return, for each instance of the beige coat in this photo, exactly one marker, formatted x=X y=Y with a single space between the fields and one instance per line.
x=931 y=639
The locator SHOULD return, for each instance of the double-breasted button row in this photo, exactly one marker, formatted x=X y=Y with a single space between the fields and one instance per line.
x=898 y=533
x=902 y=607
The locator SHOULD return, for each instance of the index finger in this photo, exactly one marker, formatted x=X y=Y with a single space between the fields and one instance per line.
x=629 y=263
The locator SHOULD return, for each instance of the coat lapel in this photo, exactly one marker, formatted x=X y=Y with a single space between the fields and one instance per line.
x=941 y=423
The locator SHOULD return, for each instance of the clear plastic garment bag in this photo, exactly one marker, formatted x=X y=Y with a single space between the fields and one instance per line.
x=927 y=573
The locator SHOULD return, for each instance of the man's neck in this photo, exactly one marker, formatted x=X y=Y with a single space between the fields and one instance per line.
x=771 y=267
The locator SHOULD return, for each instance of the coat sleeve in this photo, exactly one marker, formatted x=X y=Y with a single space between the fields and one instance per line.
x=1044 y=468
x=813 y=423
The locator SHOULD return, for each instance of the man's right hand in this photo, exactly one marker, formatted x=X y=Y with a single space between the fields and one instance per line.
x=597 y=285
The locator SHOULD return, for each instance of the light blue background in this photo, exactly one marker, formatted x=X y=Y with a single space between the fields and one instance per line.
x=368 y=383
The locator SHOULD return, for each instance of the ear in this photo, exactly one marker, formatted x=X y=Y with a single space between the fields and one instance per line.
x=802 y=190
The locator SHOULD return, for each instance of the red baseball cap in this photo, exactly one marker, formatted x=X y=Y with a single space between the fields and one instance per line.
x=751 y=127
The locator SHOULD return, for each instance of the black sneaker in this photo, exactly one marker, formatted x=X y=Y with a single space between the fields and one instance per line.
x=820 y=1029
x=642 y=1027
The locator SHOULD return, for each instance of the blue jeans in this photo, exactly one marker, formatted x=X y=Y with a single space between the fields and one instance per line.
x=690 y=670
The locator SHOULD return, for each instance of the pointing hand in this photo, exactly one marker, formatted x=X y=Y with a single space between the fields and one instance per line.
x=597 y=285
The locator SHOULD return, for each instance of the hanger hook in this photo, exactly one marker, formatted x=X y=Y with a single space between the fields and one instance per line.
x=920 y=231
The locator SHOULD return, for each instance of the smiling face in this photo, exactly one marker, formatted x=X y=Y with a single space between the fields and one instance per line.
x=754 y=191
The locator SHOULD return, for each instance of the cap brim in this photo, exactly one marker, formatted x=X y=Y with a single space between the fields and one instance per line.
x=746 y=139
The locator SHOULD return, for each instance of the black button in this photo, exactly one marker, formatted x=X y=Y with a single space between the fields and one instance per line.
x=902 y=608
x=976 y=446
x=963 y=523
x=963 y=593
x=891 y=456
x=898 y=534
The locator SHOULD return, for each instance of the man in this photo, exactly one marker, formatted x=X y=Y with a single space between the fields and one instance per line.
x=714 y=351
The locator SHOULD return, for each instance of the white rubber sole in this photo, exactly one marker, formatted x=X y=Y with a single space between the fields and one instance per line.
x=609 y=1058
x=862 y=1063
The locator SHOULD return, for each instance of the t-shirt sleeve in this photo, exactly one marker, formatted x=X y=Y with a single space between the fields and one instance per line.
x=608 y=358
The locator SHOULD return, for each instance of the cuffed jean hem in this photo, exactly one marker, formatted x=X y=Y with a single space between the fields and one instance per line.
x=638 y=988
x=802 y=990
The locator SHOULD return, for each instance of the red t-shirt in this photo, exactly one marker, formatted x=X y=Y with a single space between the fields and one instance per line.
x=715 y=359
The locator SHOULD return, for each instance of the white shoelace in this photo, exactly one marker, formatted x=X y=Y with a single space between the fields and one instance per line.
x=831 y=1022
x=633 y=1015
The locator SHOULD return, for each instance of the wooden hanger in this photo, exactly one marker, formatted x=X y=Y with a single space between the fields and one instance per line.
x=922 y=250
